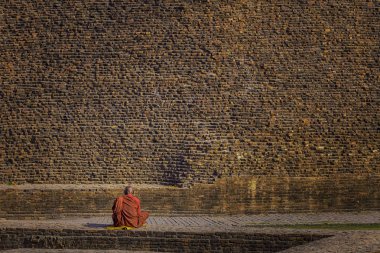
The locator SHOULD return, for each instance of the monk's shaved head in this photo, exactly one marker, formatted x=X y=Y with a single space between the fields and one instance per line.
x=128 y=190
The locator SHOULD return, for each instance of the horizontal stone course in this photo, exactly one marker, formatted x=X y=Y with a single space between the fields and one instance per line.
x=164 y=241
x=237 y=195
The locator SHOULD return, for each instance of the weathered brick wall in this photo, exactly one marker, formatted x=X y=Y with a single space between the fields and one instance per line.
x=226 y=196
x=153 y=240
x=176 y=92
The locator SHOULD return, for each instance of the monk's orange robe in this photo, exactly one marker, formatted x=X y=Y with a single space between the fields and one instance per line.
x=127 y=212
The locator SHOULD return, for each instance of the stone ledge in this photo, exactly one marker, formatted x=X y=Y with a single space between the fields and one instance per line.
x=235 y=195
x=152 y=240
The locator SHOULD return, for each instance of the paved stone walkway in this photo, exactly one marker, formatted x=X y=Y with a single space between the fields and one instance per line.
x=342 y=241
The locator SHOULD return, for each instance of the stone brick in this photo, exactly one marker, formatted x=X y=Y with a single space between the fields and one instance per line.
x=188 y=242
x=226 y=196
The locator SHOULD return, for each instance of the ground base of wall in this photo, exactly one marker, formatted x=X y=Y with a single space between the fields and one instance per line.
x=151 y=240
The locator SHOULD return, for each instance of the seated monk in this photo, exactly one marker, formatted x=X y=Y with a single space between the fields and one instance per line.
x=126 y=210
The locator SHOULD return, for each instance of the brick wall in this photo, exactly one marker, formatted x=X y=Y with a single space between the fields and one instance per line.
x=176 y=92
x=153 y=240
x=226 y=196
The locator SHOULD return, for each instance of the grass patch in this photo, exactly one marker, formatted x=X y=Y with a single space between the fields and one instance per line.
x=349 y=226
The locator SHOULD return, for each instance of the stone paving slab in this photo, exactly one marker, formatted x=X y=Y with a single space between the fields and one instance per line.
x=354 y=242
x=219 y=220
x=203 y=222
x=342 y=241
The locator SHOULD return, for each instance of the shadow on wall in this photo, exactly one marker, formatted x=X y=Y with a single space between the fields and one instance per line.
x=182 y=176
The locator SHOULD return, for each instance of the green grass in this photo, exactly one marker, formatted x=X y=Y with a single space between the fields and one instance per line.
x=349 y=226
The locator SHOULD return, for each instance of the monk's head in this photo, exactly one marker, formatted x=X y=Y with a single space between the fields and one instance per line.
x=128 y=190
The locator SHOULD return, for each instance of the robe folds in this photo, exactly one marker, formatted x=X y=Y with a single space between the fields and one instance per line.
x=127 y=212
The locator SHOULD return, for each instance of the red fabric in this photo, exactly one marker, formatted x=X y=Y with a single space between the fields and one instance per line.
x=127 y=212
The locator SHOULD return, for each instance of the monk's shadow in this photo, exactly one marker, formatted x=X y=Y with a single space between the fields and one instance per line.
x=97 y=225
